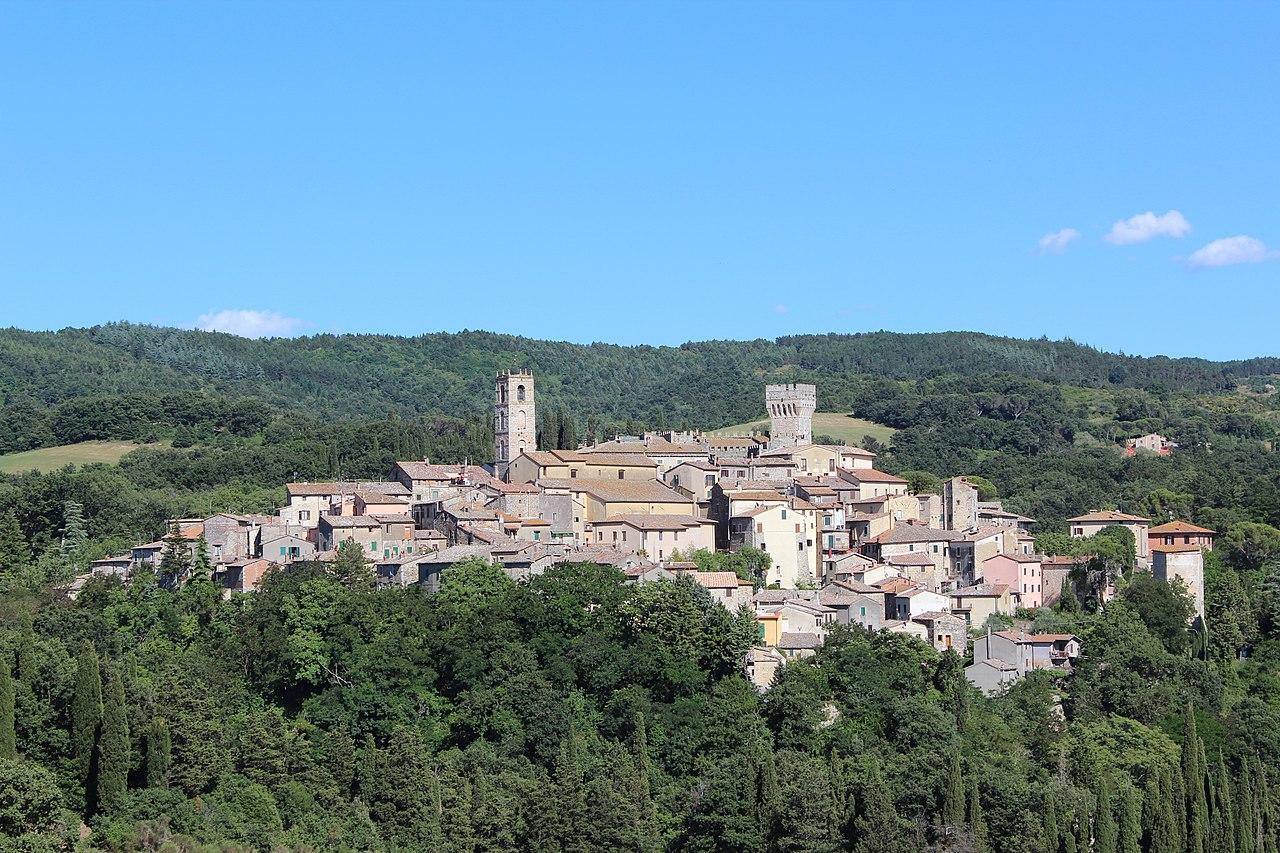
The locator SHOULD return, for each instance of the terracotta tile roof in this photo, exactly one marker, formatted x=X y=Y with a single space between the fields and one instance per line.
x=981 y=590
x=915 y=558
x=1106 y=515
x=608 y=490
x=757 y=495
x=912 y=533
x=344 y=521
x=1186 y=548
x=713 y=580
x=621 y=460
x=1018 y=558
x=799 y=640
x=893 y=586
x=344 y=488
x=1024 y=637
x=935 y=616
x=661 y=521
x=372 y=497
x=1180 y=527
x=869 y=475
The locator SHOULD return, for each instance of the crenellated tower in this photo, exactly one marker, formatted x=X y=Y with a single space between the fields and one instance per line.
x=791 y=409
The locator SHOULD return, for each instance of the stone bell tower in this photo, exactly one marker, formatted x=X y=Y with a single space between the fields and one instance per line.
x=514 y=424
x=791 y=408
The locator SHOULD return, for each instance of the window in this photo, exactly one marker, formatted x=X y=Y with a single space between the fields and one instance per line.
x=759 y=527
x=373 y=546
x=1077 y=531
x=615 y=536
x=784 y=515
x=622 y=475
x=519 y=393
x=659 y=535
x=283 y=550
x=573 y=473
x=537 y=535
x=862 y=611
x=304 y=515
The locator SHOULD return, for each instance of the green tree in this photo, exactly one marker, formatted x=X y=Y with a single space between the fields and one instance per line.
x=1165 y=608
x=201 y=568
x=175 y=558
x=977 y=822
x=75 y=533
x=1194 y=775
x=1052 y=829
x=15 y=551
x=158 y=754
x=8 y=734
x=114 y=756
x=953 y=796
x=86 y=718
x=1105 y=829
x=351 y=567
x=31 y=816
x=1129 y=837
x=1251 y=544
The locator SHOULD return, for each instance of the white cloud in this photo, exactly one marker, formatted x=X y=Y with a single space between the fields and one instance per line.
x=1056 y=242
x=1241 y=249
x=249 y=324
x=780 y=309
x=1145 y=226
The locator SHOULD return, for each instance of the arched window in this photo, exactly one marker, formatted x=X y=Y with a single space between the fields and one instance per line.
x=519 y=393
x=522 y=418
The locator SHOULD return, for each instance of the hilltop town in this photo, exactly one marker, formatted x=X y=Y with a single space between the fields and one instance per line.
x=805 y=536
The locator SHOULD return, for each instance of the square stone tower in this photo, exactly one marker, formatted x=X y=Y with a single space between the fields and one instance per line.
x=791 y=408
x=514 y=424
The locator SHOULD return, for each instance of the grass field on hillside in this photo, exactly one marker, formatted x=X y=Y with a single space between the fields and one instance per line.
x=53 y=458
x=840 y=426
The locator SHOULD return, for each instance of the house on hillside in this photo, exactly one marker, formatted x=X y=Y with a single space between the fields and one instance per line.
x=1093 y=523
x=1182 y=533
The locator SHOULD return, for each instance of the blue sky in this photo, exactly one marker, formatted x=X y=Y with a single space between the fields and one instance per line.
x=645 y=172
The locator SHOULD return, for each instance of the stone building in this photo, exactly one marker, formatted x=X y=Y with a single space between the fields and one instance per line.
x=791 y=408
x=514 y=421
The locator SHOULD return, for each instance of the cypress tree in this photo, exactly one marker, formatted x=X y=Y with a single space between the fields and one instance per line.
x=86 y=717
x=8 y=735
x=1176 y=803
x=1106 y=831
x=1224 y=810
x=158 y=754
x=113 y=744
x=1151 y=806
x=1052 y=834
x=1193 y=777
x=1084 y=837
x=15 y=552
x=1244 y=818
x=1264 y=823
x=977 y=823
x=953 y=796
x=1130 y=830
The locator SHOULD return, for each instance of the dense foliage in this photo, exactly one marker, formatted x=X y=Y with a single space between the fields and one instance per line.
x=577 y=713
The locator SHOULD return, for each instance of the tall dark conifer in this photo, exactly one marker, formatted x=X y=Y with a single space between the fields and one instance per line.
x=86 y=718
x=158 y=754
x=113 y=744
x=8 y=735
x=1106 y=831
